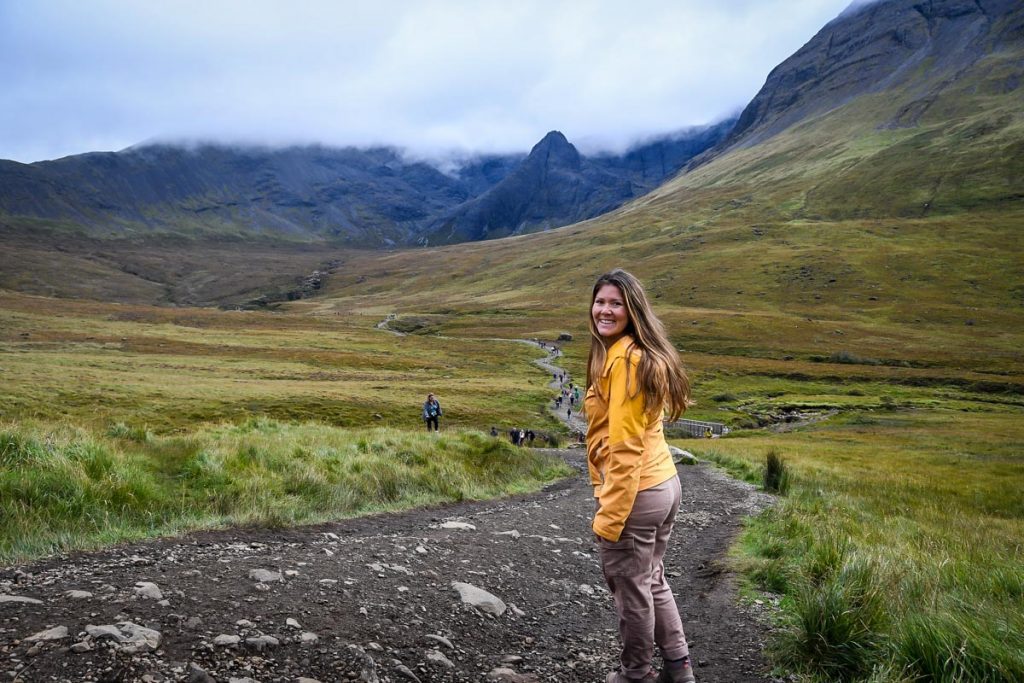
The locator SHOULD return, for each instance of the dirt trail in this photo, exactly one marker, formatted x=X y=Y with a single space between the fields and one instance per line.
x=372 y=599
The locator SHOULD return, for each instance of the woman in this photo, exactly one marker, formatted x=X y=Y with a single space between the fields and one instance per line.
x=634 y=376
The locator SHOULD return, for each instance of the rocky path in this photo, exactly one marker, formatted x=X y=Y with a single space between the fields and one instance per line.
x=376 y=599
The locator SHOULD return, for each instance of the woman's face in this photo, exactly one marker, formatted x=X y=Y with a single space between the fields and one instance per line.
x=609 y=313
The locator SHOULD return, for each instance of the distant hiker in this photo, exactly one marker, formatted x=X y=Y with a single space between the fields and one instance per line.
x=708 y=433
x=568 y=413
x=530 y=436
x=431 y=412
x=634 y=376
x=522 y=438
x=494 y=431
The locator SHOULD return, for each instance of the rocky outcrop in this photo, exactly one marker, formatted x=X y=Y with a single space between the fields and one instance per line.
x=908 y=47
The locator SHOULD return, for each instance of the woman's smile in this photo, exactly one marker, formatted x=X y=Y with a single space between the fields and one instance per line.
x=609 y=313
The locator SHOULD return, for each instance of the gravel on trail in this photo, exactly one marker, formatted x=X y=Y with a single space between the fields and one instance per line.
x=381 y=598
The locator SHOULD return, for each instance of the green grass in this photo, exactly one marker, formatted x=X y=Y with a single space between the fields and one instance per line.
x=167 y=369
x=66 y=488
x=900 y=547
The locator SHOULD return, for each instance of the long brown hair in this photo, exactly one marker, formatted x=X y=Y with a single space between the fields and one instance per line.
x=661 y=379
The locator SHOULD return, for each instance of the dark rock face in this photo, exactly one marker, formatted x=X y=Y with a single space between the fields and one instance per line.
x=370 y=197
x=907 y=45
x=557 y=186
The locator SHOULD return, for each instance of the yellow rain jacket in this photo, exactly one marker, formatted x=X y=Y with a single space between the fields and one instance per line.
x=626 y=448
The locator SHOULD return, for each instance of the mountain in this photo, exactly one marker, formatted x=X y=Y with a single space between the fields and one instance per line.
x=363 y=197
x=557 y=186
x=911 y=51
x=357 y=197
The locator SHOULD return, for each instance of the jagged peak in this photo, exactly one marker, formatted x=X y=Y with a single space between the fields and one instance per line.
x=555 y=148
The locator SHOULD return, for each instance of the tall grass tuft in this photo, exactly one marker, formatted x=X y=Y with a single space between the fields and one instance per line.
x=838 y=624
x=776 y=475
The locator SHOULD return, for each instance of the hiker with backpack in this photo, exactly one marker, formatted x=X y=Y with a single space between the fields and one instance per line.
x=431 y=413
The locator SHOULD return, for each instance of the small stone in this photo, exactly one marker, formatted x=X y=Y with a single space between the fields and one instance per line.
x=421 y=550
x=244 y=623
x=225 y=640
x=148 y=590
x=586 y=589
x=138 y=639
x=260 y=643
x=197 y=674
x=105 y=631
x=513 y=533
x=77 y=595
x=460 y=526
x=440 y=639
x=405 y=671
x=479 y=598
x=19 y=598
x=292 y=622
x=437 y=656
x=308 y=638
x=81 y=647
x=55 y=633
x=265 y=576
x=303 y=679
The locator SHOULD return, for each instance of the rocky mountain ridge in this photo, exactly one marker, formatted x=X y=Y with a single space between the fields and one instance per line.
x=914 y=49
x=359 y=197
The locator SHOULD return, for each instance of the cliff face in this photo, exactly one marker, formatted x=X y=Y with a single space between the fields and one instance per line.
x=909 y=47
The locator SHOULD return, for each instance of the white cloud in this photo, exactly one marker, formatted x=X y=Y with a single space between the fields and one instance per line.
x=429 y=75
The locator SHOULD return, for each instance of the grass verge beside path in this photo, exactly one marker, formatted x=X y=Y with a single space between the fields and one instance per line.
x=899 y=550
x=65 y=488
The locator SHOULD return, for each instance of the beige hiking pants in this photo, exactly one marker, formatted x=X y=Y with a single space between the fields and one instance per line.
x=635 y=574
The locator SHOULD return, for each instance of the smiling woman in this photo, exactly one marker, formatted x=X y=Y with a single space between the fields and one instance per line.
x=633 y=375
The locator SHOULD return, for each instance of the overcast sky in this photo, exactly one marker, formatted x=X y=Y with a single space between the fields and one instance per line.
x=427 y=75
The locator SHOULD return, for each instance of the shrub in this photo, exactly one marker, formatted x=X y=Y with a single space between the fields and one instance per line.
x=724 y=398
x=776 y=474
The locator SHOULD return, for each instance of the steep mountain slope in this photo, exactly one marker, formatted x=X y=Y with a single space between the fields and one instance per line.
x=368 y=197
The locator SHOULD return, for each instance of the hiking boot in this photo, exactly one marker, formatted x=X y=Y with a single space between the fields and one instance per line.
x=679 y=671
x=618 y=677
